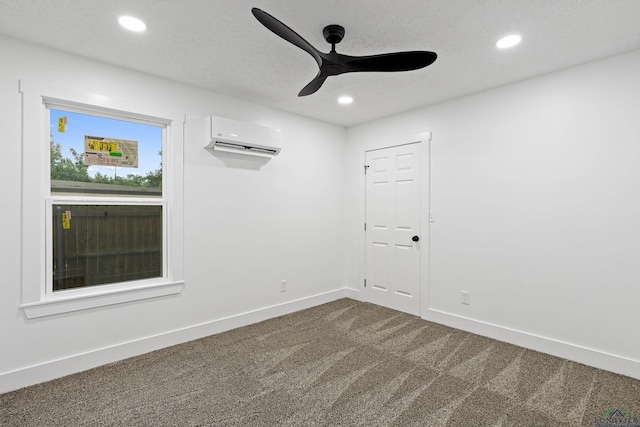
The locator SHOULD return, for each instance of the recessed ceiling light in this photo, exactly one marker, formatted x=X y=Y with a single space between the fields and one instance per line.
x=508 y=41
x=345 y=100
x=132 y=24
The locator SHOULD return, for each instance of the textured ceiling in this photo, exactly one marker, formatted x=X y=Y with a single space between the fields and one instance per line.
x=219 y=45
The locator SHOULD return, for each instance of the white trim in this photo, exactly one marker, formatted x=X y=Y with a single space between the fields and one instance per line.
x=100 y=201
x=587 y=356
x=46 y=371
x=95 y=299
x=37 y=98
x=425 y=224
x=110 y=113
x=355 y=294
x=52 y=369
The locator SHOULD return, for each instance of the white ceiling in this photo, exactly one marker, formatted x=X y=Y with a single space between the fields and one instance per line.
x=219 y=45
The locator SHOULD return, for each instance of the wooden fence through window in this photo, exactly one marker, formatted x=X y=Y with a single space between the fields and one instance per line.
x=101 y=244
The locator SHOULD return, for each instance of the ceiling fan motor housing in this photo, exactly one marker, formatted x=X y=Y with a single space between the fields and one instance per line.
x=333 y=33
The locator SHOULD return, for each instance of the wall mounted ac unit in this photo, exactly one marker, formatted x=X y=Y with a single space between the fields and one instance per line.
x=233 y=136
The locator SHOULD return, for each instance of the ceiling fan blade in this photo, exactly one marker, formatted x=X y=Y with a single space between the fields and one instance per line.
x=313 y=85
x=398 y=61
x=285 y=32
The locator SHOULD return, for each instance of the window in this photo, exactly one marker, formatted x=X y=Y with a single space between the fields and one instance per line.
x=117 y=164
x=102 y=202
x=105 y=244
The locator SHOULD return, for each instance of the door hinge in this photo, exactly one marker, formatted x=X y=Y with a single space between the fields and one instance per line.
x=365 y=226
x=365 y=283
x=365 y=169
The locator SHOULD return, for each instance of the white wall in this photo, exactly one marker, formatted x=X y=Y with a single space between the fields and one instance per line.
x=536 y=190
x=245 y=229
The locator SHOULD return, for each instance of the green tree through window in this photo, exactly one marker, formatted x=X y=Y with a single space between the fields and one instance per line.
x=73 y=169
x=67 y=169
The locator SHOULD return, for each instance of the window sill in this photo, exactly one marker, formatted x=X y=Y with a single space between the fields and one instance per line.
x=76 y=303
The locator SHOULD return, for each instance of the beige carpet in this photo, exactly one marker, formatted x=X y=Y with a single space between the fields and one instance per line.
x=345 y=363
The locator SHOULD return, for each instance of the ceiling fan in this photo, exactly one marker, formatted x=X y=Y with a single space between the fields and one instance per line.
x=334 y=63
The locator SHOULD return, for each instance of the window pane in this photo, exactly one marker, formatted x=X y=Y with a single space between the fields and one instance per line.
x=93 y=155
x=102 y=244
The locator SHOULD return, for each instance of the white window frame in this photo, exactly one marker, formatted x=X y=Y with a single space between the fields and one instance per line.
x=38 y=299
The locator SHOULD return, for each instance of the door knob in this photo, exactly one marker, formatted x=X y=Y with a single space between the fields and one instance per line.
x=415 y=238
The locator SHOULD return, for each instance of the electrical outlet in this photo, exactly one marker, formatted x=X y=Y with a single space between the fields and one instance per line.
x=465 y=297
x=283 y=286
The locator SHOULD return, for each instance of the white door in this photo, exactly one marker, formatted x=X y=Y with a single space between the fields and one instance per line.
x=392 y=227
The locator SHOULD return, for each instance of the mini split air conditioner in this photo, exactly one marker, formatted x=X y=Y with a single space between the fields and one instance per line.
x=233 y=136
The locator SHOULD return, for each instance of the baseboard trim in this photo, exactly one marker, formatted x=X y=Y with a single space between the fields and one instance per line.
x=584 y=355
x=354 y=294
x=23 y=377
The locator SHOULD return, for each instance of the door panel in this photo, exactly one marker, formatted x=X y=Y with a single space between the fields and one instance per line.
x=381 y=270
x=404 y=259
x=392 y=259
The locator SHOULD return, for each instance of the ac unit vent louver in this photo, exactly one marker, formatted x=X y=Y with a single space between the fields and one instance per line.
x=233 y=136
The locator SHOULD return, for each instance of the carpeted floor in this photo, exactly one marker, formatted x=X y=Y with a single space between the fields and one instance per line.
x=345 y=363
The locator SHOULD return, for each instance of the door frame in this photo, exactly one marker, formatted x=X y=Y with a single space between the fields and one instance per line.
x=425 y=212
